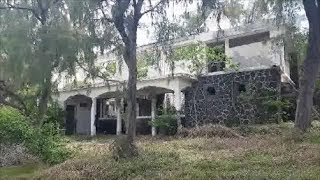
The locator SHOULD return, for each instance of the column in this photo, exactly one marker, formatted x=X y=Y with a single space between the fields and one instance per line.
x=177 y=105
x=119 y=120
x=93 y=117
x=227 y=49
x=153 y=114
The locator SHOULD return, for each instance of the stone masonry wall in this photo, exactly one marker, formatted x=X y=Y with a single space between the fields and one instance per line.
x=232 y=98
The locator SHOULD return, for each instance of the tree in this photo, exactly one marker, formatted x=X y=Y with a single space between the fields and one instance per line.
x=310 y=67
x=37 y=40
x=122 y=16
x=126 y=15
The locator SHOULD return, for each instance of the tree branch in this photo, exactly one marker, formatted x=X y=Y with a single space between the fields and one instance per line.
x=152 y=8
x=99 y=74
x=105 y=17
x=32 y=10
x=118 y=15
x=53 y=3
x=16 y=97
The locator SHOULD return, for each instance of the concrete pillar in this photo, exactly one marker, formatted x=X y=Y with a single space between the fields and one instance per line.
x=119 y=120
x=93 y=117
x=178 y=105
x=227 y=49
x=153 y=114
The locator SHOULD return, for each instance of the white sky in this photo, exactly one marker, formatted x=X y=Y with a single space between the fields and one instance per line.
x=175 y=11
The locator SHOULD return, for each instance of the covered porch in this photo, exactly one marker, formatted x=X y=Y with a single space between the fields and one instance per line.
x=102 y=110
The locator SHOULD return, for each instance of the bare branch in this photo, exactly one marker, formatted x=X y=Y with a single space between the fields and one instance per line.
x=99 y=74
x=32 y=10
x=152 y=8
x=53 y=3
x=105 y=17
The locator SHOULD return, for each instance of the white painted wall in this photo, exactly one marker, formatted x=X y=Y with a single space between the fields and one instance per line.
x=82 y=114
x=83 y=120
x=252 y=55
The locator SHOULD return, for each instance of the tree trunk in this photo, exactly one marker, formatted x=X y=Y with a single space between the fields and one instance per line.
x=310 y=67
x=44 y=99
x=131 y=95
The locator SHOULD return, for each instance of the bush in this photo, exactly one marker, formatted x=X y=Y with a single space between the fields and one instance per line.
x=166 y=123
x=13 y=126
x=55 y=115
x=45 y=142
x=48 y=143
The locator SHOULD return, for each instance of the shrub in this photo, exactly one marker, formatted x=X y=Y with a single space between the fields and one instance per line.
x=166 y=123
x=45 y=142
x=13 y=126
x=48 y=144
x=55 y=115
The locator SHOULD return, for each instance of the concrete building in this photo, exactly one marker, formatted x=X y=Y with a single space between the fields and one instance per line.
x=100 y=108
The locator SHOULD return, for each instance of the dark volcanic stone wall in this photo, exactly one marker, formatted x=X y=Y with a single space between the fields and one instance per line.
x=219 y=98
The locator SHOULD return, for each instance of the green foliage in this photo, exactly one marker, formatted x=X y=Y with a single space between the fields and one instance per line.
x=273 y=106
x=166 y=122
x=145 y=59
x=13 y=126
x=142 y=68
x=111 y=68
x=46 y=143
x=55 y=115
x=267 y=102
x=199 y=54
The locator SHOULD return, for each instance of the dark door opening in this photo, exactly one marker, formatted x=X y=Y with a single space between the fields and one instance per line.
x=70 y=120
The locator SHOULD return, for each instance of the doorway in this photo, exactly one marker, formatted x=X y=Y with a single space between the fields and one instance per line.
x=70 y=120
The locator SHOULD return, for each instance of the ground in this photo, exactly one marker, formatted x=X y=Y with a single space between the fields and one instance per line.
x=264 y=153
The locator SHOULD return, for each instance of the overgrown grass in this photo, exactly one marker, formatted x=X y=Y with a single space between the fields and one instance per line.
x=266 y=155
x=27 y=171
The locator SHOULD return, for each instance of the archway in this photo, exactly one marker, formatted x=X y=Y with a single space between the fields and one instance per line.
x=78 y=115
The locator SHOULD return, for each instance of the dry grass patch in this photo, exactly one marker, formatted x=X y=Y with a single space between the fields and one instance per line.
x=209 y=131
x=266 y=156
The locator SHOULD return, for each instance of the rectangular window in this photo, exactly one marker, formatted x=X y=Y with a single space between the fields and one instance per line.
x=83 y=105
x=259 y=37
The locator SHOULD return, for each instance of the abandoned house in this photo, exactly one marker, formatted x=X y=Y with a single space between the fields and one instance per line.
x=216 y=96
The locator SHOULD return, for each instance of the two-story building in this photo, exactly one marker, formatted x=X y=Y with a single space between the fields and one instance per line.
x=100 y=108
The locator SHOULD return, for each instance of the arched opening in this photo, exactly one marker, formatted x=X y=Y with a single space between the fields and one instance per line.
x=109 y=110
x=150 y=101
x=78 y=115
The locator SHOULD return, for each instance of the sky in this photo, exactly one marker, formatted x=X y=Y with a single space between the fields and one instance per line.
x=174 y=11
